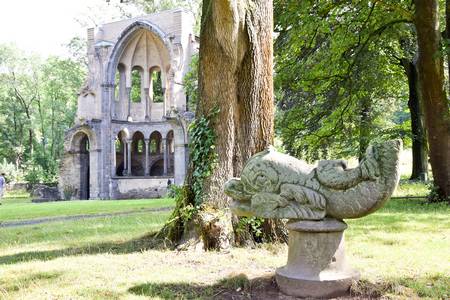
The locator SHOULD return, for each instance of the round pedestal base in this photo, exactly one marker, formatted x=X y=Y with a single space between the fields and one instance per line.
x=316 y=264
x=315 y=288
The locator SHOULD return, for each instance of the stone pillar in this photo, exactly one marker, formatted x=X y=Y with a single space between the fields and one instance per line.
x=164 y=144
x=146 y=93
x=129 y=144
x=147 y=142
x=164 y=102
x=180 y=163
x=124 y=142
x=316 y=266
x=113 y=102
x=114 y=160
x=128 y=90
x=168 y=153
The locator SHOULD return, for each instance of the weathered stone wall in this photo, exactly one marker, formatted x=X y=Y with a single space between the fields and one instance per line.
x=139 y=188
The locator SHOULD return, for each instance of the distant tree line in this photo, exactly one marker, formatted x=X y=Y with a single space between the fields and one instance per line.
x=37 y=104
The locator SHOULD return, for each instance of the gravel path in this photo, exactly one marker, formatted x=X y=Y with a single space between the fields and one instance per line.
x=79 y=217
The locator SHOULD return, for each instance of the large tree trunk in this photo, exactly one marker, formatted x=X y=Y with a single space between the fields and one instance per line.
x=436 y=107
x=235 y=75
x=235 y=78
x=419 y=140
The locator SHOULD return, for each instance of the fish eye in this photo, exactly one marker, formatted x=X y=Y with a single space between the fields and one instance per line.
x=261 y=179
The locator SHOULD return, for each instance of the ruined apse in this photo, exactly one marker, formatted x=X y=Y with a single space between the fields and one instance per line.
x=130 y=133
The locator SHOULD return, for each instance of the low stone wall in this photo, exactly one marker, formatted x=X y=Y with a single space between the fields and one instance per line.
x=138 y=187
x=18 y=186
x=25 y=186
x=45 y=193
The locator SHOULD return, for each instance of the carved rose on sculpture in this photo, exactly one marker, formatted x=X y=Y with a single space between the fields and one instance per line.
x=275 y=185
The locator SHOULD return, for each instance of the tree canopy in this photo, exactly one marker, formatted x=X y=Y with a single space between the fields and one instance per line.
x=37 y=104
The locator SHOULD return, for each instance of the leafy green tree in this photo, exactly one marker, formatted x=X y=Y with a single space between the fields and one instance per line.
x=56 y=108
x=19 y=92
x=330 y=41
x=336 y=74
x=37 y=104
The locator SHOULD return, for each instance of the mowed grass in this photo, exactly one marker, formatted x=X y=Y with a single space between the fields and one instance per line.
x=402 y=252
x=403 y=249
x=16 y=207
x=411 y=189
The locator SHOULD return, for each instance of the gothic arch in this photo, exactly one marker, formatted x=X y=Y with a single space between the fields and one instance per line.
x=79 y=134
x=122 y=43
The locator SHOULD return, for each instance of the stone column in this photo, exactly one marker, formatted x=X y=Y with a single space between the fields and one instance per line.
x=114 y=161
x=168 y=154
x=164 y=144
x=113 y=102
x=146 y=92
x=128 y=90
x=180 y=163
x=147 y=142
x=316 y=266
x=129 y=143
x=164 y=102
x=124 y=172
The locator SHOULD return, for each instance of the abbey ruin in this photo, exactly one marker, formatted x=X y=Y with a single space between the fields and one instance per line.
x=130 y=135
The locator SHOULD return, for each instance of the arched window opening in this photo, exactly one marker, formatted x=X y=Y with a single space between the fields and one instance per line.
x=156 y=84
x=84 y=167
x=155 y=142
x=117 y=86
x=121 y=154
x=84 y=145
x=140 y=146
x=118 y=145
x=138 y=155
x=153 y=147
x=119 y=82
x=136 y=83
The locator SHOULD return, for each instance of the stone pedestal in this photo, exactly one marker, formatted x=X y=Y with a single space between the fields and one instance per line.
x=316 y=264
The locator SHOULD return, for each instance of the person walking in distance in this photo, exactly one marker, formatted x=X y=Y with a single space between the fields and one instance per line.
x=2 y=186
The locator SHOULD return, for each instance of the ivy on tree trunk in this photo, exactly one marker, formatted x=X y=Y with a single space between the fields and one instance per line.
x=235 y=78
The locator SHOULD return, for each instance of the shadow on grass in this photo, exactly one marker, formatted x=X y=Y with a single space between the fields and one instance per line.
x=240 y=287
x=143 y=243
x=233 y=287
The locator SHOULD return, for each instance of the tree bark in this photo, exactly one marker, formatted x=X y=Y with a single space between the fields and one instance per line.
x=419 y=140
x=447 y=33
x=235 y=77
x=436 y=106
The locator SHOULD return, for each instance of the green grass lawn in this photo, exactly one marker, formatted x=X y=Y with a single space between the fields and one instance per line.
x=402 y=252
x=411 y=189
x=16 y=207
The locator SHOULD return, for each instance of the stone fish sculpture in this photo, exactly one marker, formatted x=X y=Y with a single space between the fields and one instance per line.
x=316 y=200
x=276 y=185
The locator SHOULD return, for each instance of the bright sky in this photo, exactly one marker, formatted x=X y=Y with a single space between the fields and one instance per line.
x=44 y=26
